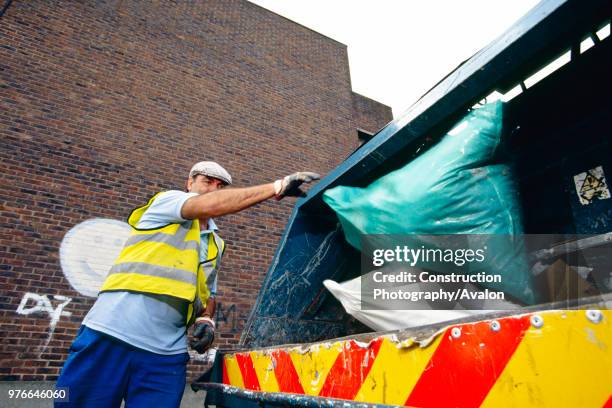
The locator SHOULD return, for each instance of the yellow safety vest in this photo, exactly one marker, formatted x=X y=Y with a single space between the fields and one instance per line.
x=166 y=261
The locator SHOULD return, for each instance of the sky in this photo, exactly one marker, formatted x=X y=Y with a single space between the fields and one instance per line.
x=399 y=49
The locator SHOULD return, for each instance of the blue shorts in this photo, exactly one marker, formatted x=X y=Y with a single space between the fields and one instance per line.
x=101 y=371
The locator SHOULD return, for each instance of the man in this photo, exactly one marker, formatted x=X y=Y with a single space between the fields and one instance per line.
x=132 y=345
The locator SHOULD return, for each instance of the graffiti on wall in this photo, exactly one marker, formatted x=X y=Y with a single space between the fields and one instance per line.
x=228 y=317
x=88 y=251
x=32 y=303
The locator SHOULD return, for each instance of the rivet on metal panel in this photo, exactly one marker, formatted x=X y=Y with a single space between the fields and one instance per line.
x=495 y=326
x=456 y=332
x=594 y=315
x=537 y=321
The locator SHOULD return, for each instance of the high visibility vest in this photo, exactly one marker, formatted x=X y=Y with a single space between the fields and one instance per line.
x=166 y=261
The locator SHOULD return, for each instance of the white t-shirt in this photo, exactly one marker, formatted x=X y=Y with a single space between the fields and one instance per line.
x=154 y=323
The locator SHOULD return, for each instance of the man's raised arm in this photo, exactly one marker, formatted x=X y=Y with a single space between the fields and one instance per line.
x=231 y=200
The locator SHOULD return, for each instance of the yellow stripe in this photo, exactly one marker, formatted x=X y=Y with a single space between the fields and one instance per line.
x=149 y=284
x=395 y=372
x=313 y=366
x=566 y=363
x=265 y=371
x=233 y=371
x=161 y=254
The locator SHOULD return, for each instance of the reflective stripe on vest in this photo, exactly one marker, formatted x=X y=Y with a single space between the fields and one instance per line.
x=177 y=240
x=154 y=270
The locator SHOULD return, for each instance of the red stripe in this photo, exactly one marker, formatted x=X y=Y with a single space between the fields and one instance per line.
x=249 y=376
x=608 y=403
x=225 y=376
x=286 y=376
x=462 y=370
x=350 y=370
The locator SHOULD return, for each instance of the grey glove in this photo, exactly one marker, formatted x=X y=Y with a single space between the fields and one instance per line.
x=289 y=186
x=203 y=334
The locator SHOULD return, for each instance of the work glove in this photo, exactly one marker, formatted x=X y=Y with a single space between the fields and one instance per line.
x=203 y=334
x=289 y=186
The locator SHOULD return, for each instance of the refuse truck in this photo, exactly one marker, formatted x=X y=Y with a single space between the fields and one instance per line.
x=302 y=347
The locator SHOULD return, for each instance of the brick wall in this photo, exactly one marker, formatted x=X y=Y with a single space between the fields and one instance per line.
x=105 y=103
x=368 y=114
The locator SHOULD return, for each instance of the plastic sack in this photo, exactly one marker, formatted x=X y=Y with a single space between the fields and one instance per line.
x=453 y=188
x=349 y=295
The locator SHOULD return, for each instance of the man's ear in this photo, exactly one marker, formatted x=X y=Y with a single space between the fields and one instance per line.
x=188 y=184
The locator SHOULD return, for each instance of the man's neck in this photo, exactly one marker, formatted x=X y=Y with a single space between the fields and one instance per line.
x=203 y=224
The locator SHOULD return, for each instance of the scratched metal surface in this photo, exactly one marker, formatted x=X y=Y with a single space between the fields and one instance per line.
x=297 y=305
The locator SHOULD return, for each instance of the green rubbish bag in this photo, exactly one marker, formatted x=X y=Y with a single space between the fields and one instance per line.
x=453 y=188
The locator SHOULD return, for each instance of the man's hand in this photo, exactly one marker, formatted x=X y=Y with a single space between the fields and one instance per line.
x=290 y=185
x=203 y=334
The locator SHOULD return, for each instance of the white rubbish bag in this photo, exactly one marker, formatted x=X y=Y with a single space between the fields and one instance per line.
x=379 y=318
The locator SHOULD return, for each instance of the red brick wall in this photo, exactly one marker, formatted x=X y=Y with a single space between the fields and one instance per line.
x=105 y=103
x=370 y=115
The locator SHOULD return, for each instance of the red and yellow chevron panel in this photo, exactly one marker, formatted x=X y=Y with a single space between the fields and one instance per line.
x=560 y=358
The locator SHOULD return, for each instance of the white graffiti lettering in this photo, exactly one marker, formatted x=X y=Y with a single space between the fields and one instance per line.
x=42 y=304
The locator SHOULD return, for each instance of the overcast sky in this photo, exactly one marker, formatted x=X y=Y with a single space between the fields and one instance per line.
x=398 y=49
